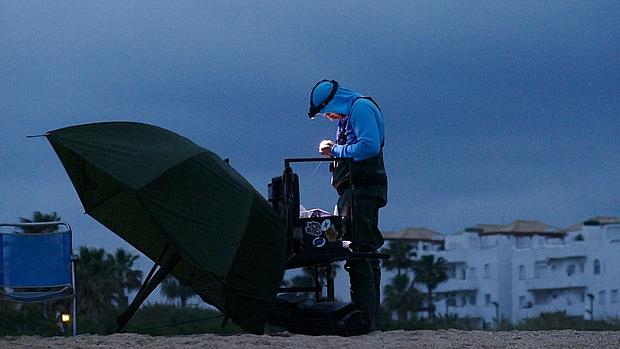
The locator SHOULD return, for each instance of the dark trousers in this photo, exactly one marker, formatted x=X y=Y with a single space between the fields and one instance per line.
x=364 y=274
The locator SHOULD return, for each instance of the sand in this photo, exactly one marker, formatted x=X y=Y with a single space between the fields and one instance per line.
x=391 y=339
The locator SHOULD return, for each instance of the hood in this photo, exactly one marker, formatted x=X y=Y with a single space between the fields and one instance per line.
x=340 y=104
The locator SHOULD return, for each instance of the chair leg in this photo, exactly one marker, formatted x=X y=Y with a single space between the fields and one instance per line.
x=74 y=299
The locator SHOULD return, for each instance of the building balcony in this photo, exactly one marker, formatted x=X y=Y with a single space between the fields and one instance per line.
x=556 y=282
x=462 y=311
x=577 y=309
x=467 y=310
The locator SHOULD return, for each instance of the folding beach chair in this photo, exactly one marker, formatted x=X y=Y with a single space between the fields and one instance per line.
x=37 y=267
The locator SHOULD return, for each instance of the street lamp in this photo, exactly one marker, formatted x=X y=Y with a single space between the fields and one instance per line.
x=65 y=318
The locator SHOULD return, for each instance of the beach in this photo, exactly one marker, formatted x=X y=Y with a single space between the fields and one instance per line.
x=391 y=339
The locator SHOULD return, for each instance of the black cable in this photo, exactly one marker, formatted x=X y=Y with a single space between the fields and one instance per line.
x=175 y=324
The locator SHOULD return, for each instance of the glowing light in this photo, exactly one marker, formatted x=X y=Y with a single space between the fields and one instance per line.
x=65 y=317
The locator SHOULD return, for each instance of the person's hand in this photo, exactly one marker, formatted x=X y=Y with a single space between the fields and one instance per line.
x=347 y=244
x=325 y=148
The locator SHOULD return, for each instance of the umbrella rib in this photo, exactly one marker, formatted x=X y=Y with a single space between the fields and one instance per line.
x=205 y=297
x=191 y=275
x=123 y=188
x=152 y=271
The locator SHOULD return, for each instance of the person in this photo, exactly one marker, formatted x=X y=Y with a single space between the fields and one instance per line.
x=360 y=135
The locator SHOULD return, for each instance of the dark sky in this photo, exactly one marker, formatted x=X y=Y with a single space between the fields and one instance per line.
x=495 y=111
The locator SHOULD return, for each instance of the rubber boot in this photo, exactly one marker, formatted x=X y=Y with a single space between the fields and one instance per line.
x=363 y=286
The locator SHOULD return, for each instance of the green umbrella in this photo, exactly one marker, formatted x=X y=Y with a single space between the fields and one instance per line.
x=185 y=208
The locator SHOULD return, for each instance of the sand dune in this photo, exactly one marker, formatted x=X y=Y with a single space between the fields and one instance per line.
x=392 y=339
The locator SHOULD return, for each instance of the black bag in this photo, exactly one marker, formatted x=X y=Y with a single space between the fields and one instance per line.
x=302 y=315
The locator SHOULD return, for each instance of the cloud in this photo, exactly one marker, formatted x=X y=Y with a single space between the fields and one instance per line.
x=493 y=109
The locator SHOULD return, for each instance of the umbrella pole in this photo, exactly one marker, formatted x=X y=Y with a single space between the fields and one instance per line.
x=148 y=287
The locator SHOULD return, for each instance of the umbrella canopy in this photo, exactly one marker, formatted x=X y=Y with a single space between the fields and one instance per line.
x=167 y=196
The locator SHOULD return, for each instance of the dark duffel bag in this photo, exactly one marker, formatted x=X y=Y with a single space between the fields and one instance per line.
x=305 y=316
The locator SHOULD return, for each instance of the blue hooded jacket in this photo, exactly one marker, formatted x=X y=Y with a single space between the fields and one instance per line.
x=363 y=122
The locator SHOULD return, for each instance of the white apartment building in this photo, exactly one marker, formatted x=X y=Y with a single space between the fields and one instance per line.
x=520 y=270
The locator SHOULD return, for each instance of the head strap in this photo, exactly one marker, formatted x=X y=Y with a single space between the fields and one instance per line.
x=317 y=108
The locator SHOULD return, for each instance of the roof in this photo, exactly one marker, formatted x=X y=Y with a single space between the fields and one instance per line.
x=415 y=234
x=594 y=221
x=518 y=227
x=483 y=228
x=602 y=220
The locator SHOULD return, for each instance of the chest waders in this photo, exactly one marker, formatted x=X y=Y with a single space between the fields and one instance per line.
x=370 y=194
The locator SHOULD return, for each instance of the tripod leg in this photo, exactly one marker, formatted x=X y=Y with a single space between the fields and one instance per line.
x=329 y=270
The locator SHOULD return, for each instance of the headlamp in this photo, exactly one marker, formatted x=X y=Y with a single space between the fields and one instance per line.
x=315 y=109
x=319 y=115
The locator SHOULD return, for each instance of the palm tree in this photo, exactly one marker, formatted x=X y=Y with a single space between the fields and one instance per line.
x=399 y=297
x=172 y=289
x=94 y=286
x=127 y=277
x=103 y=280
x=38 y=217
x=430 y=272
x=400 y=252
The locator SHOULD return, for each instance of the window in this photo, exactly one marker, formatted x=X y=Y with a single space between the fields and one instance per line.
x=451 y=299
x=473 y=241
x=540 y=269
x=597 y=267
x=613 y=232
x=473 y=300
x=462 y=274
x=487 y=271
x=488 y=241
x=451 y=271
x=487 y=299
x=541 y=298
x=614 y=296
x=462 y=301
x=524 y=242
x=570 y=270
x=554 y=241
x=601 y=297
x=522 y=272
